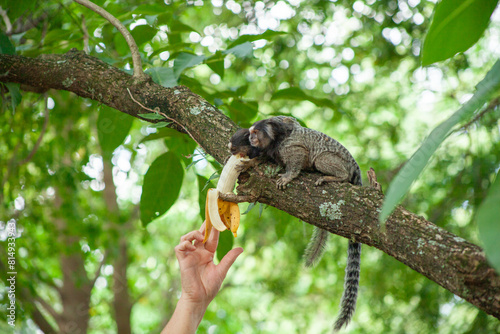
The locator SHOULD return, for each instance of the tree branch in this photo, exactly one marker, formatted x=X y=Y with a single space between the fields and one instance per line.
x=48 y=308
x=41 y=322
x=343 y=209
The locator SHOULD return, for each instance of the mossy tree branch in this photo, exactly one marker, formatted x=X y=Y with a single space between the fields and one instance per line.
x=343 y=209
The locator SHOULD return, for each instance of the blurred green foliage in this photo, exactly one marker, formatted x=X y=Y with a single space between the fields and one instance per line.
x=351 y=69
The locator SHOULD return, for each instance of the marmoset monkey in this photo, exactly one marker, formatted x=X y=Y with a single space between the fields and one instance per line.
x=240 y=144
x=298 y=148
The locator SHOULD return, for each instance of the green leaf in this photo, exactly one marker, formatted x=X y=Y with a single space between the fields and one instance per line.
x=181 y=144
x=216 y=63
x=488 y=220
x=120 y=44
x=185 y=60
x=226 y=242
x=203 y=185
x=152 y=116
x=267 y=35
x=150 y=9
x=6 y=46
x=143 y=34
x=161 y=133
x=163 y=76
x=232 y=92
x=151 y=19
x=412 y=169
x=175 y=141
x=218 y=102
x=455 y=27
x=55 y=36
x=295 y=93
x=193 y=84
x=249 y=208
x=243 y=112
x=15 y=94
x=281 y=221
x=112 y=128
x=177 y=26
x=162 y=184
x=159 y=125
x=244 y=50
x=17 y=8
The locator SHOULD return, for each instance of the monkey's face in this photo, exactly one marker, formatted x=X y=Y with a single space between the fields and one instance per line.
x=235 y=149
x=261 y=134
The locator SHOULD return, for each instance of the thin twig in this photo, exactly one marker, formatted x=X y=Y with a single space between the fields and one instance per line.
x=164 y=115
x=491 y=106
x=229 y=197
x=39 y=140
x=29 y=23
x=134 y=50
x=70 y=14
x=8 y=24
x=86 y=47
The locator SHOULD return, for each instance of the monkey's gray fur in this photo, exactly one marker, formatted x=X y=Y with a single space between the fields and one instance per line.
x=298 y=148
x=316 y=247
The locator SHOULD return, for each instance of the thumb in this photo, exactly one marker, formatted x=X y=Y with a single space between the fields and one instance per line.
x=228 y=260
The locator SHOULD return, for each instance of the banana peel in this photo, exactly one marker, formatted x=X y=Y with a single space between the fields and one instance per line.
x=220 y=214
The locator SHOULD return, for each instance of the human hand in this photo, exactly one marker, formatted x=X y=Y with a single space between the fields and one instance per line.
x=201 y=279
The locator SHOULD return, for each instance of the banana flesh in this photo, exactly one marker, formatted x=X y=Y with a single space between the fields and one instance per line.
x=229 y=174
x=213 y=209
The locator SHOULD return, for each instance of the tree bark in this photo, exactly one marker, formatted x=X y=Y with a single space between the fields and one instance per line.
x=343 y=209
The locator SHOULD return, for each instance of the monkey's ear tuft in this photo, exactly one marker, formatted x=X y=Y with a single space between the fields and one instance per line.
x=269 y=129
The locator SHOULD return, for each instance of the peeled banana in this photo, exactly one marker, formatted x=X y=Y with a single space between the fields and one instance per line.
x=220 y=214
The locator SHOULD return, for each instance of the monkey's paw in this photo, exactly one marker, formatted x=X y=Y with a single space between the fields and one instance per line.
x=283 y=181
x=319 y=181
x=244 y=165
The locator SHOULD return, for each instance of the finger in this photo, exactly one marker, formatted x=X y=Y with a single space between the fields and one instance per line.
x=213 y=241
x=202 y=227
x=184 y=246
x=228 y=260
x=202 y=230
x=193 y=235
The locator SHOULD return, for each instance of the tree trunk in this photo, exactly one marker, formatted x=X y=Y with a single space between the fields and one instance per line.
x=350 y=211
x=75 y=296
x=121 y=299
x=121 y=302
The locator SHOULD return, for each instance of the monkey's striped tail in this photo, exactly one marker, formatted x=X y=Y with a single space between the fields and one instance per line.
x=351 y=284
